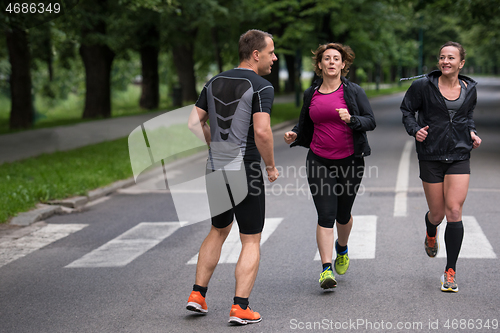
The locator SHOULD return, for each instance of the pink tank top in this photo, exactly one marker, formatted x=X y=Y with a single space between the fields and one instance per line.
x=332 y=137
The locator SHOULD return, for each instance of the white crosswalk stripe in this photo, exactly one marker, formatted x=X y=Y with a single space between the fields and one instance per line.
x=128 y=246
x=475 y=243
x=362 y=240
x=232 y=246
x=13 y=249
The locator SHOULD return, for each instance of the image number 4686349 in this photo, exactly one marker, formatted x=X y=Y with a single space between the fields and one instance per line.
x=25 y=14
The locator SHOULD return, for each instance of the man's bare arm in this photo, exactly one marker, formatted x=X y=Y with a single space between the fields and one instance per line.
x=198 y=124
x=264 y=142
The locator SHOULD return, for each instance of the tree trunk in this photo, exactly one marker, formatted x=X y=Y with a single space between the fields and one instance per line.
x=404 y=72
x=21 y=112
x=326 y=30
x=394 y=73
x=218 y=57
x=50 y=68
x=47 y=50
x=184 y=63
x=352 y=74
x=290 y=66
x=150 y=95
x=274 y=77
x=97 y=60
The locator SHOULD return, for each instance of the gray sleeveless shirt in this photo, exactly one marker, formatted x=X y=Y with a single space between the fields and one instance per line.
x=454 y=106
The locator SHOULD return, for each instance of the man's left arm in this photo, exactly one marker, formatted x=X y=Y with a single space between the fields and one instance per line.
x=264 y=142
x=198 y=124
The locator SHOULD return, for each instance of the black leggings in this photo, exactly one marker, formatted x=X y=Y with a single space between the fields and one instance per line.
x=333 y=185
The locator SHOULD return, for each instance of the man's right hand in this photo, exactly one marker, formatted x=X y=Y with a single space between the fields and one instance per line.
x=272 y=173
x=290 y=137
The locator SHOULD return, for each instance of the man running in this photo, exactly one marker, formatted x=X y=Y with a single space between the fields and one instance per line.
x=237 y=103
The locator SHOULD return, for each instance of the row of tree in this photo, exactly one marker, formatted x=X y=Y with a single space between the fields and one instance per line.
x=197 y=34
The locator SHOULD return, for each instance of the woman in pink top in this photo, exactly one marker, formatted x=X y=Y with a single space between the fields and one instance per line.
x=333 y=122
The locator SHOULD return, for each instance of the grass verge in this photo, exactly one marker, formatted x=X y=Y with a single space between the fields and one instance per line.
x=284 y=112
x=60 y=175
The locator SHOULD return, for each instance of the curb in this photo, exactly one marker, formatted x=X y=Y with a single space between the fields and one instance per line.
x=104 y=191
x=67 y=205
x=73 y=204
x=28 y=218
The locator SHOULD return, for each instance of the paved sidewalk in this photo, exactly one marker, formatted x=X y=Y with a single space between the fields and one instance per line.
x=18 y=146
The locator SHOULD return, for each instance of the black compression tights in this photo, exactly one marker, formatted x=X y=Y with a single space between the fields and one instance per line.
x=334 y=185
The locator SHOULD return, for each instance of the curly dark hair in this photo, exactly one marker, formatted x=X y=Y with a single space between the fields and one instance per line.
x=345 y=51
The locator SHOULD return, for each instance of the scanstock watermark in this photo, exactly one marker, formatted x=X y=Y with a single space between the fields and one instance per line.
x=293 y=180
x=176 y=134
x=448 y=324
x=357 y=324
x=173 y=136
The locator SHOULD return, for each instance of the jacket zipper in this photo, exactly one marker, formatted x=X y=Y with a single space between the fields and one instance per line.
x=443 y=102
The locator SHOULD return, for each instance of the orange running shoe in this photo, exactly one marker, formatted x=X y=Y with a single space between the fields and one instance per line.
x=242 y=317
x=197 y=303
x=448 y=282
x=431 y=245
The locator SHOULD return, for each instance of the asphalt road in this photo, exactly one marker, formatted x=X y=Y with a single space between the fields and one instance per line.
x=94 y=278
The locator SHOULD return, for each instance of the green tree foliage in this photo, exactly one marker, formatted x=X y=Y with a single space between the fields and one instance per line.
x=187 y=41
x=475 y=24
x=181 y=28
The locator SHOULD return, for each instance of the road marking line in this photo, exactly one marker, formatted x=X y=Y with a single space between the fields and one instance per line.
x=363 y=238
x=232 y=246
x=123 y=249
x=475 y=243
x=400 y=201
x=17 y=248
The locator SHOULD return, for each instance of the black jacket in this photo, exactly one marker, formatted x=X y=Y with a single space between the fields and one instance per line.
x=362 y=118
x=449 y=139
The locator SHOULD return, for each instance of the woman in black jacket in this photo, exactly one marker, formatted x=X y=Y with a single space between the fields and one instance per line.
x=445 y=134
x=333 y=122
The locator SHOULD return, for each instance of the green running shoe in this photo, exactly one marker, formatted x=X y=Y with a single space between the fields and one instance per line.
x=341 y=262
x=327 y=279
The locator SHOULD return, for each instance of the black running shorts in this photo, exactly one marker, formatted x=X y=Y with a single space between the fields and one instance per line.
x=434 y=171
x=249 y=213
